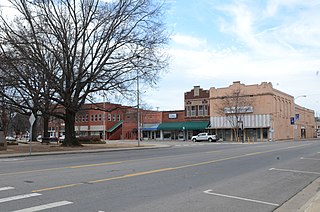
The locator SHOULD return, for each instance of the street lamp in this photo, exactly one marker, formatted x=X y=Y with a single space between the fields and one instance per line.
x=138 y=108
x=294 y=115
x=104 y=117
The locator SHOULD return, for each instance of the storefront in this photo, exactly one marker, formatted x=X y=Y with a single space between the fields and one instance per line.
x=181 y=130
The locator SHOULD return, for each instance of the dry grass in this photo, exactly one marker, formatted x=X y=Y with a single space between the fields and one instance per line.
x=53 y=147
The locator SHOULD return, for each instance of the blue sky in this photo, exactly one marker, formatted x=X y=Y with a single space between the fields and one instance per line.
x=216 y=42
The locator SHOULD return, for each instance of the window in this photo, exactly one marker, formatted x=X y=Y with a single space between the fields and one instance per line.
x=91 y=117
x=96 y=117
x=200 y=110
x=119 y=117
x=114 y=117
x=83 y=118
x=99 y=116
x=109 y=117
x=87 y=117
x=205 y=110
x=193 y=111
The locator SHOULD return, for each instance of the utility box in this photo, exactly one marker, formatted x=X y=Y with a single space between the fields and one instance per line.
x=3 y=142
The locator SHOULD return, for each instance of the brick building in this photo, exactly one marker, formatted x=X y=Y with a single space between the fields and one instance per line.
x=261 y=112
x=100 y=119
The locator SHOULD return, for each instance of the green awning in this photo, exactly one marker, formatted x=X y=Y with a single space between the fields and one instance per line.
x=171 y=126
x=196 y=125
x=187 y=125
x=114 y=126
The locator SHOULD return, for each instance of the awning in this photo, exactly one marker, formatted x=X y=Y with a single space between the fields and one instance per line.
x=114 y=126
x=196 y=125
x=187 y=125
x=150 y=127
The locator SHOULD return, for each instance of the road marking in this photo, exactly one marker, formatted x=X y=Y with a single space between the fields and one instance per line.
x=11 y=159
x=99 y=164
x=61 y=168
x=302 y=158
x=23 y=196
x=240 y=198
x=46 y=206
x=295 y=171
x=57 y=187
x=165 y=169
x=6 y=188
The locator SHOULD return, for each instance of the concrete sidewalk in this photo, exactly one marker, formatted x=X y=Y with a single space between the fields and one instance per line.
x=153 y=146
x=307 y=200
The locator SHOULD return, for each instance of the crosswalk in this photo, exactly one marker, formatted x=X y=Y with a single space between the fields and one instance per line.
x=4 y=200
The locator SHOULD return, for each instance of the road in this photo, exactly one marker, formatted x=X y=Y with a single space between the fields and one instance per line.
x=185 y=177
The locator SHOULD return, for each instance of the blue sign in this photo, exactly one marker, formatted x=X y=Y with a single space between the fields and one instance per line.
x=292 y=120
x=297 y=117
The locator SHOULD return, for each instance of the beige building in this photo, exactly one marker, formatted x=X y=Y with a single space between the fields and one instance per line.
x=258 y=113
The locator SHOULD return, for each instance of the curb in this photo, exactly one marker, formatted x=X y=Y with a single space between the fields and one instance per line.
x=82 y=151
x=307 y=200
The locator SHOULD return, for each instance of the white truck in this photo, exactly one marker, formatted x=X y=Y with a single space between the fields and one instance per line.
x=204 y=137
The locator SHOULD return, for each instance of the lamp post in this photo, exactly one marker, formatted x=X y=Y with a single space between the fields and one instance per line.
x=138 y=109
x=104 y=117
x=294 y=116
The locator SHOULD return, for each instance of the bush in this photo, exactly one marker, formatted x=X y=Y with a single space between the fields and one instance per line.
x=90 y=140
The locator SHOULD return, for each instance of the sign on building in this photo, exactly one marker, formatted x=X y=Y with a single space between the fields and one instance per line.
x=172 y=115
x=292 y=120
x=243 y=109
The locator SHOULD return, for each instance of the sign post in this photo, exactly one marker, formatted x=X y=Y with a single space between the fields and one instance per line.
x=31 y=121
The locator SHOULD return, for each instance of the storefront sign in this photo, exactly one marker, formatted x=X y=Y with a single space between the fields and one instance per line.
x=243 y=109
x=172 y=115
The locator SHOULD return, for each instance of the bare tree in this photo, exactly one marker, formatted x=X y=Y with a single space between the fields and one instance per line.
x=233 y=106
x=76 y=48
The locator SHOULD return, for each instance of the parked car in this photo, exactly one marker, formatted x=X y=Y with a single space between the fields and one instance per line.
x=24 y=139
x=11 y=140
x=204 y=137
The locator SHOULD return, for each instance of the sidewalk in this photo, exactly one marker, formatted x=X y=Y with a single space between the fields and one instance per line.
x=54 y=149
x=307 y=200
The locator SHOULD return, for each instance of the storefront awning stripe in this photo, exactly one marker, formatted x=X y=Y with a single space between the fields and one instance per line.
x=114 y=126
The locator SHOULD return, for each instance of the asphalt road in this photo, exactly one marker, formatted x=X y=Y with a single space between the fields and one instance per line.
x=186 y=177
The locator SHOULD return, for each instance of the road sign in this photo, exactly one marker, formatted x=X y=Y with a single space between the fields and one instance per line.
x=292 y=120
x=32 y=119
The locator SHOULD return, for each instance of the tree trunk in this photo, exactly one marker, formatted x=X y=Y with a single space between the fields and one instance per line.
x=70 y=133
x=46 y=126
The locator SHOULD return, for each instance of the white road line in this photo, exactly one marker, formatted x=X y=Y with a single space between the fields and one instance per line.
x=6 y=188
x=240 y=198
x=44 y=207
x=23 y=196
x=302 y=158
x=295 y=171
x=10 y=159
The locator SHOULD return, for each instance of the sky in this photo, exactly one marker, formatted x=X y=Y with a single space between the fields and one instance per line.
x=216 y=42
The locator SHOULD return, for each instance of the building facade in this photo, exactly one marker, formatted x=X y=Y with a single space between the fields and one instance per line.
x=257 y=113
x=99 y=119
